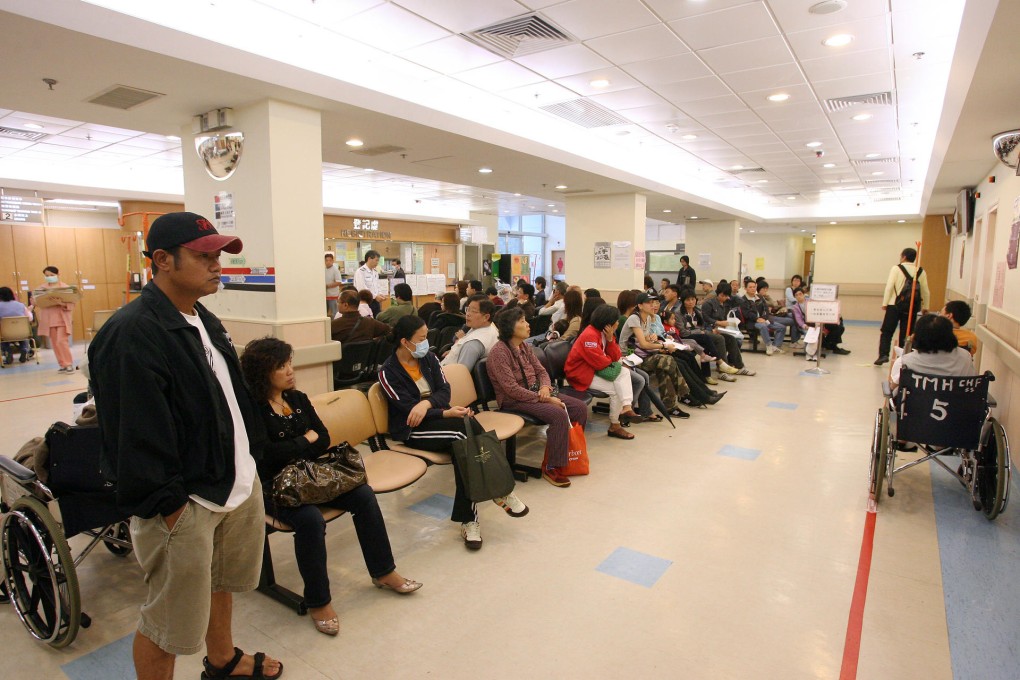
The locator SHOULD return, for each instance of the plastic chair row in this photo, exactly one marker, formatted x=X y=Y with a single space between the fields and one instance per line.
x=18 y=329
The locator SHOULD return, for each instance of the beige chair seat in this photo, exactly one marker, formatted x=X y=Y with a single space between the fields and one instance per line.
x=505 y=425
x=427 y=456
x=391 y=470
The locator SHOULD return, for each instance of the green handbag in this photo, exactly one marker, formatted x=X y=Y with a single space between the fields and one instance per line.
x=482 y=464
x=610 y=372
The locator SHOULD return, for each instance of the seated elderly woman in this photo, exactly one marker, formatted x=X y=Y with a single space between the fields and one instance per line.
x=935 y=351
x=296 y=433
x=522 y=384
x=594 y=361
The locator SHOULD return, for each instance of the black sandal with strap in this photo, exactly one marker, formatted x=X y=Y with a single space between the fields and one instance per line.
x=212 y=673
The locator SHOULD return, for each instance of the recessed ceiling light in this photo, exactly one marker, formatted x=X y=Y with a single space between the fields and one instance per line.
x=752 y=231
x=516 y=194
x=812 y=145
x=173 y=138
x=778 y=97
x=828 y=165
x=556 y=211
x=791 y=198
x=803 y=231
x=832 y=223
x=355 y=142
x=838 y=40
x=861 y=116
x=561 y=187
x=872 y=155
x=550 y=205
x=33 y=126
x=599 y=82
x=693 y=217
x=900 y=221
x=667 y=210
x=485 y=171
x=369 y=169
x=737 y=167
x=763 y=181
x=877 y=173
x=689 y=137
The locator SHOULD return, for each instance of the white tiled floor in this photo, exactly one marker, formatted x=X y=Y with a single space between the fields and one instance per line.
x=764 y=556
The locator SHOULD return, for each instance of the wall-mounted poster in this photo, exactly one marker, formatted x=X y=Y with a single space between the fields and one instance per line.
x=559 y=263
x=1014 y=237
x=622 y=255
x=603 y=259
x=639 y=260
x=999 y=292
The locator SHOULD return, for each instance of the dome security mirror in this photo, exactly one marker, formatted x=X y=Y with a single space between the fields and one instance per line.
x=220 y=153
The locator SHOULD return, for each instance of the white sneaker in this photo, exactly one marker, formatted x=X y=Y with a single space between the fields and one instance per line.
x=513 y=505
x=726 y=377
x=472 y=533
x=726 y=368
x=769 y=350
x=779 y=350
x=810 y=358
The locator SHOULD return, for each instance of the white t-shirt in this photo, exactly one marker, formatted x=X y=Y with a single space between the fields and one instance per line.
x=244 y=464
x=332 y=276
x=956 y=362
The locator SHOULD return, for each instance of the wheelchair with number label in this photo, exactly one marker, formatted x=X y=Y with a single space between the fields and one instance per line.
x=38 y=568
x=946 y=416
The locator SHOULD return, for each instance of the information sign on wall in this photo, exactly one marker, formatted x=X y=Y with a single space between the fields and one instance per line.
x=602 y=255
x=21 y=210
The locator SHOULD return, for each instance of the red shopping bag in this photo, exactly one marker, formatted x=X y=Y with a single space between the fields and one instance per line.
x=577 y=452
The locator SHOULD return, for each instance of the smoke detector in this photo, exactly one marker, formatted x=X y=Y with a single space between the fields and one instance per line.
x=827 y=7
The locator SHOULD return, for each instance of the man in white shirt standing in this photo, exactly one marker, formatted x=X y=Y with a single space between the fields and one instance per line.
x=367 y=276
x=332 y=286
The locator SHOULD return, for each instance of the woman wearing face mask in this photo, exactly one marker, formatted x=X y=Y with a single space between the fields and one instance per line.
x=55 y=322
x=421 y=416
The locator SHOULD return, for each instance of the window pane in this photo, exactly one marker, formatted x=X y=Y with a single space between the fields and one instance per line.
x=510 y=223
x=533 y=224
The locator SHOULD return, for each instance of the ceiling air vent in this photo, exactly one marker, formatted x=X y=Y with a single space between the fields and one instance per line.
x=378 y=150
x=875 y=161
x=878 y=183
x=874 y=99
x=744 y=171
x=123 y=97
x=574 y=192
x=585 y=113
x=25 y=135
x=521 y=35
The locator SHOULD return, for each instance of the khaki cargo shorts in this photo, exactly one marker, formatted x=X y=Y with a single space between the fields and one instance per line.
x=205 y=552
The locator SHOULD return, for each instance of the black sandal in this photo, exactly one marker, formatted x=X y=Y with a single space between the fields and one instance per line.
x=654 y=418
x=212 y=673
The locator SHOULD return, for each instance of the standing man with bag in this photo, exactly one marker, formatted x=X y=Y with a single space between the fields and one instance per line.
x=180 y=438
x=906 y=292
x=332 y=286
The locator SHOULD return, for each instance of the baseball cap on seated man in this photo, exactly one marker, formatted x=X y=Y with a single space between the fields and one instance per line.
x=707 y=281
x=190 y=230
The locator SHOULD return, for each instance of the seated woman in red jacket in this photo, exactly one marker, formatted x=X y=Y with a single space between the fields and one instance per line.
x=522 y=384
x=420 y=415
x=594 y=361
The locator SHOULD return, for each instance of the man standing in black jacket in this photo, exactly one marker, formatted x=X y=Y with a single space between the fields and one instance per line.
x=686 y=277
x=180 y=436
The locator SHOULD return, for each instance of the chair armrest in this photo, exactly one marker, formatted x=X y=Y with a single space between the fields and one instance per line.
x=17 y=470
x=991 y=402
x=886 y=389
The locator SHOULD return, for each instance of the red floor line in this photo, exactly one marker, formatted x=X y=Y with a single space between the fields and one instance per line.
x=36 y=396
x=852 y=645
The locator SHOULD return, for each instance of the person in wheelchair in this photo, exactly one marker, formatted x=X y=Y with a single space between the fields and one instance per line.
x=296 y=433
x=936 y=351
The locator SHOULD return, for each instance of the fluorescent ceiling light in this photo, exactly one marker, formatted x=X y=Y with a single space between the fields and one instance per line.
x=561 y=186
x=599 y=82
x=485 y=171
x=778 y=97
x=862 y=116
x=33 y=126
x=877 y=173
x=828 y=165
x=838 y=40
x=689 y=137
x=872 y=155
x=812 y=145
x=667 y=210
x=693 y=217
x=355 y=142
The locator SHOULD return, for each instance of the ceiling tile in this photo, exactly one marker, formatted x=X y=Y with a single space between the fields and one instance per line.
x=755 y=54
x=459 y=16
x=848 y=65
x=390 y=27
x=806 y=120
x=14 y=144
x=784 y=75
x=799 y=94
x=503 y=75
x=793 y=16
x=719 y=120
x=693 y=90
x=451 y=54
x=707 y=107
x=869 y=34
x=798 y=111
x=746 y=130
x=678 y=9
x=618 y=80
x=539 y=94
x=587 y=19
x=563 y=61
x=726 y=27
x=664 y=113
x=627 y=99
x=650 y=42
x=324 y=14
x=668 y=70
x=857 y=85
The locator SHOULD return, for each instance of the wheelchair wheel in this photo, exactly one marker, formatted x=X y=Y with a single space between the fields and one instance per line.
x=993 y=469
x=40 y=576
x=121 y=531
x=879 y=452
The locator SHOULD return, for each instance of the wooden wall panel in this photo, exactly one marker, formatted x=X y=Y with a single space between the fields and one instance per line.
x=8 y=267
x=935 y=258
x=30 y=253
x=91 y=255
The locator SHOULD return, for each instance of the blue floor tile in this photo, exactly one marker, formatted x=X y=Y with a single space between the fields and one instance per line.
x=437 y=506
x=634 y=566
x=112 y=662
x=738 y=452
x=783 y=405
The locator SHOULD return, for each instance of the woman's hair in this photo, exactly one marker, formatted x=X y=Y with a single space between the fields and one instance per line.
x=405 y=328
x=462 y=287
x=491 y=290
x=451 y=303
x=6 y=294
x=572 y=304
x=528 y=290
x=365 y=295
x=799 y=278
x=261 y=357
x=590 y=305
x=51 y=268
x=687 y=293
x=604 y=316
x=505 y=321
x=799 y=289
x=626 y=301
x=649 y=283
x=934 y=333
x=763 y=284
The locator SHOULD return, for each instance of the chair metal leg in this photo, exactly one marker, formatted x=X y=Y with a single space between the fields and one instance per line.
x=521 y=471
x=269 y=586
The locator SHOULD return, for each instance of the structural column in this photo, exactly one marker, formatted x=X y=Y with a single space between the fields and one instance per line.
x=274 y=199
x=613 y=219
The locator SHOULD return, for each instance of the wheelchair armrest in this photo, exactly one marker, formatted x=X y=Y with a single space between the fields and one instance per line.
x=886 y=389
x=17 y=470
x=991 y=402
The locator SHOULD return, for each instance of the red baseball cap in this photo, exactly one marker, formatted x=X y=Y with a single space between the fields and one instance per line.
x=190 y=230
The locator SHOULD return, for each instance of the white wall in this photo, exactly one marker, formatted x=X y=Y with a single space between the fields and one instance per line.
x=861 y=253
x=720 y=241
x=778 y=252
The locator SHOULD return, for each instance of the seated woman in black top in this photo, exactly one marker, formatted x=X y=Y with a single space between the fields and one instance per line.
x=420 y=415
x=296 y=433
x=450 y=315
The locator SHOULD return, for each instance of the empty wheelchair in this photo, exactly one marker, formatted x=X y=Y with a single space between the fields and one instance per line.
x=39 y=570
x=945 y=416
